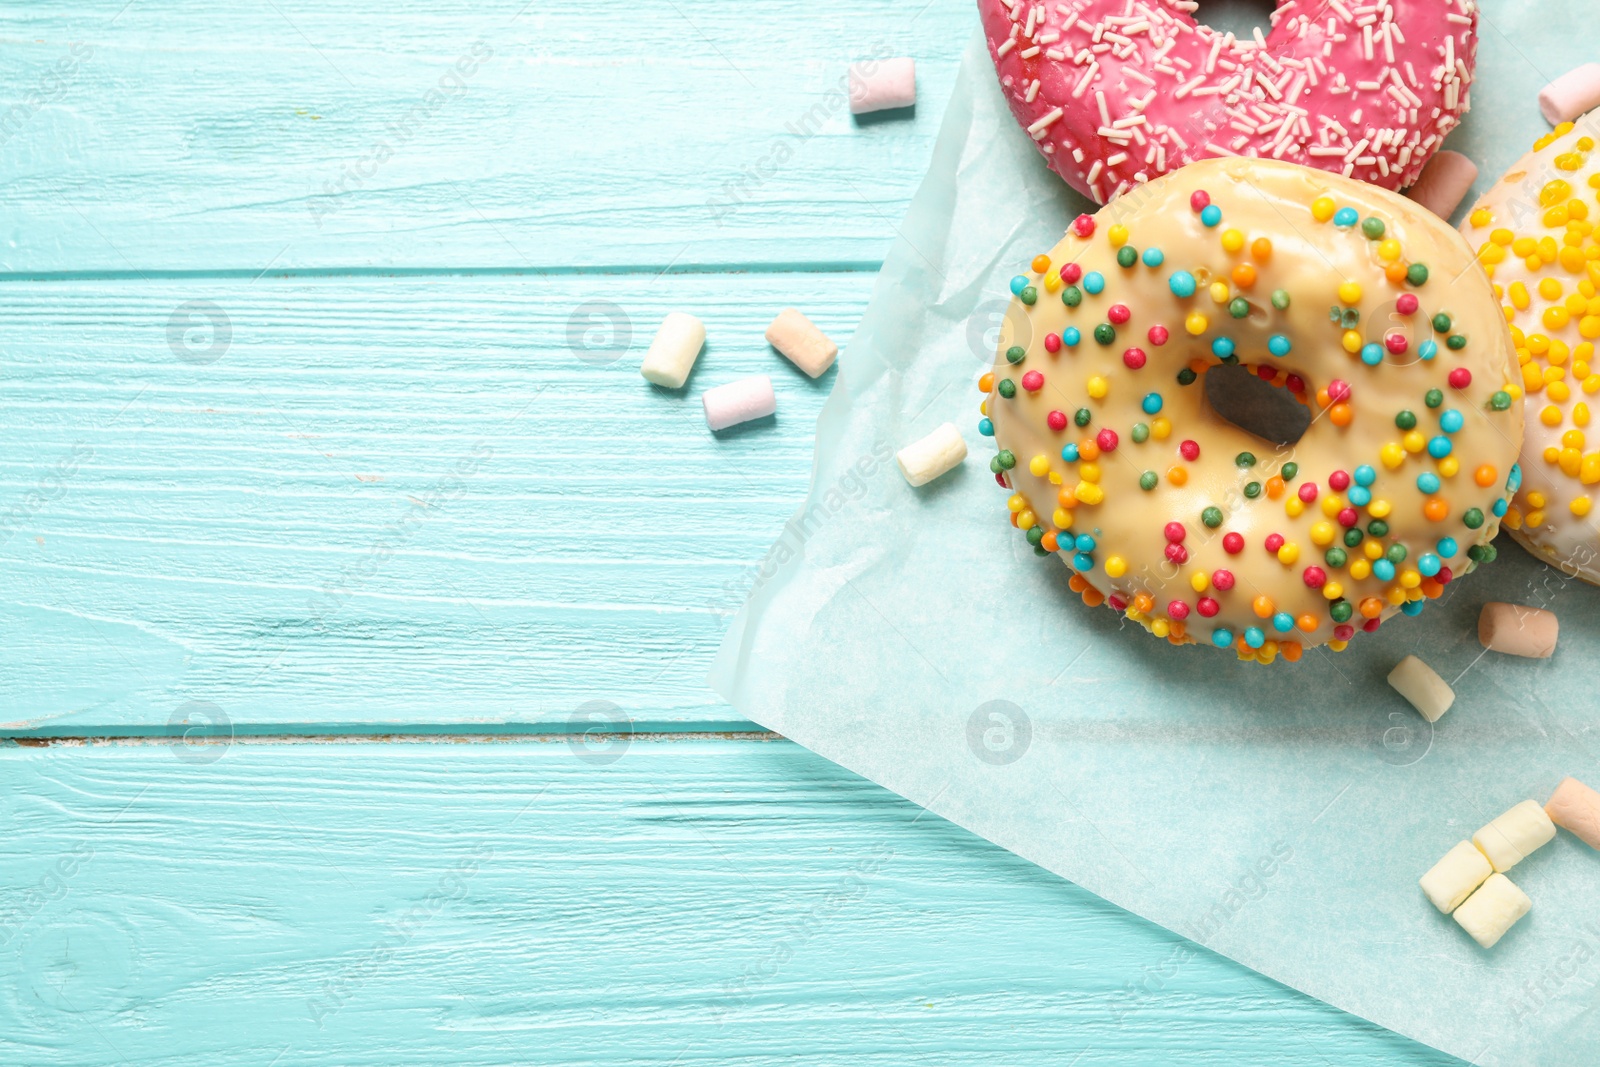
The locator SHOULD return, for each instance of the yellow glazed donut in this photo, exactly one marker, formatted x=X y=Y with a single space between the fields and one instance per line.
x=1256 y=406
x=1535 y=235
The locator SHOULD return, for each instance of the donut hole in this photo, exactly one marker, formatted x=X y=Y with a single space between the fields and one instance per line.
x=1238 y=17
x=1240 y=398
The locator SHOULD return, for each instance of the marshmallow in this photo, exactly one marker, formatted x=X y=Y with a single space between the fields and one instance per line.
x=1452 y=879
x=1577 y=808
x=1510 y=838
x=941 y=451
x=1492 y=910
x=1428 y=693
x=1517 y=630
x=740 y=401
x=878 y=85
x=1444 y=181
x=673 y=352
x=798 y=338
x=1572 y=94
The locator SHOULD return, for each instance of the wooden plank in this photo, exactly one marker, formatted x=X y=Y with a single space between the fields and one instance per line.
x=410 y=502
x=300 y=135
x=508 y=903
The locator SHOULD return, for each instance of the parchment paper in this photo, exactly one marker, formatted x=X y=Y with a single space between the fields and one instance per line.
x=1279 y=815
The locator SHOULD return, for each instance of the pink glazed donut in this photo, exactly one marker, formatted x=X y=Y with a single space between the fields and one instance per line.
x=1118 y=92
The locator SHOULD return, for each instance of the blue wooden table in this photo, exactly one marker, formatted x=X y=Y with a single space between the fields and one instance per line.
x=357 y=594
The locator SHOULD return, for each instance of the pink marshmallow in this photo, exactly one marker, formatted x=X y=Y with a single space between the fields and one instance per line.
x=1572 y=94
x=1518 y=630
x=1576 y=807
x=881 y=84
x=740 y=401
x=1444 y=181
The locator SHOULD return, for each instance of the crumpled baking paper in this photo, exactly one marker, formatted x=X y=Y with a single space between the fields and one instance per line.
x=1278 y=815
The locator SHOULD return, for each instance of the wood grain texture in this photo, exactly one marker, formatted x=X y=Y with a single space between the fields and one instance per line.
x=299 y=135
x=399 y=502
x=513 y=903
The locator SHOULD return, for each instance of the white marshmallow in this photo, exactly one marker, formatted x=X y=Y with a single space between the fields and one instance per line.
x=1517 y=630
x=881 y=84
x=798 y=338
x=1576 y=91
x=941 y=451
x=740 y=401
x=1491 y=911
x=672 y=353
x=1444 y=181
x=1452 y=879
x=1576 y=807
x=1510 y=838
x=1428 y=693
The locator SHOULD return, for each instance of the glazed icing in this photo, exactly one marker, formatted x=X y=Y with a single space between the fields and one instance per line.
x=1535 y=233
x=1117 y=92
x=1114 y=459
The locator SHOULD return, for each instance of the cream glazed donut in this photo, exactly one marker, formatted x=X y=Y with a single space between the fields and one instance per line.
x=1256 y=406
x=1117 y=92
x=1535 y=231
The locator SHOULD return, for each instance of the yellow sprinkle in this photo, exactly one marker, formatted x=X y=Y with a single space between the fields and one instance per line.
x=1352 y=341
x=1554 y=192
x=1338 y=646
x=1333 y=590
x=1359 y=569
x=1580 y=506
x=1569 y=458
x=1534 y=518
x=1322 y=533
x=1288 y=553
x=1414 y=441
x=1589 y=469
x=1089 y=493
x=1118 y=235
x=1448 y=466
x=1199 y=581
x=1039 y=466
x=1519 y=296
x=1026 y=518
x=1161 y=627
x=1550 y=288
x=1396 y=594
x=1559 y=391
x=1232 y=240
x=1089 y=472
x=1378 y=509
x=1293 y=507
x=1062 y=518
x=1332 y=504
x=1116 y=567
x=1350 y=293
x=1574 y=439
x=1389 y=250
x=1160 y=427
x=1098 y=387
x=1392 y=455
x=1410 y=579
x=1220 y=292
x=1373 y=548
x=1055 y=479
x=1550 y=415
x=1480 y=218
x=1052 y=282
x=1322 y=208
x=1502 y=237
x=1536 y=499
x=1016 y=502
x=1196 y=323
